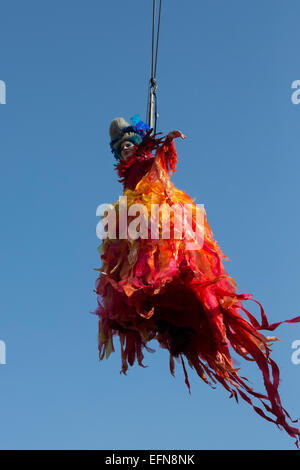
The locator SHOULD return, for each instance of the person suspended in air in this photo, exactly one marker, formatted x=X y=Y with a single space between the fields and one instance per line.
x=169 y=284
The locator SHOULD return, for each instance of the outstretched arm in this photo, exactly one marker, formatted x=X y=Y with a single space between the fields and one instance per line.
x=174 y=134
x=166 y=154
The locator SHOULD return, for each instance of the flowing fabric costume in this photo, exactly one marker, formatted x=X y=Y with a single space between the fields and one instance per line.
x=156 y=288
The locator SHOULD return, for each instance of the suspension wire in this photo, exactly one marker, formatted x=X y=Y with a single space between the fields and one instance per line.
x=149 y=99
x=157 y=38
x=152 y=113
x=153 y=30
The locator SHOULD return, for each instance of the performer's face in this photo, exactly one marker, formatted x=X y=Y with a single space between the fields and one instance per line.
x=127 y=149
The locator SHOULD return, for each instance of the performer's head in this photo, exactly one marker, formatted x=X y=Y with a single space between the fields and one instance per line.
x=125 y=137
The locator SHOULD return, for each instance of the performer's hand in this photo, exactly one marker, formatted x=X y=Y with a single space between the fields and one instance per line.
x=172 y=135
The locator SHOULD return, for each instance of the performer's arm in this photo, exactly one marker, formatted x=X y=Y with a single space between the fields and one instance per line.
x=166 y=154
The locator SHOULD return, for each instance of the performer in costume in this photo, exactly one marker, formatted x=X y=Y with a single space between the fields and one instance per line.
x=158 y=288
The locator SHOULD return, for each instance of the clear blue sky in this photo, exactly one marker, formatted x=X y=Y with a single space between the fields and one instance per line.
x=225 y=73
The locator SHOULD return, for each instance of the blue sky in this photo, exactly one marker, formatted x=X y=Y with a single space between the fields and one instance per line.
x=225 y=72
